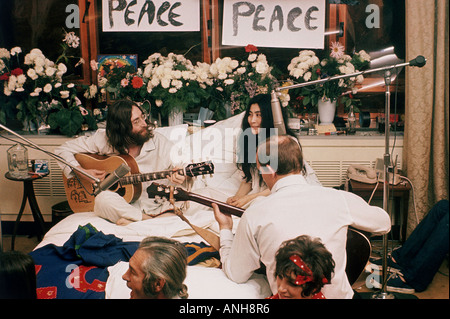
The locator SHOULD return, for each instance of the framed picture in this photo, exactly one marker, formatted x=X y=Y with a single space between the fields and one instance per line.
x=113 y=64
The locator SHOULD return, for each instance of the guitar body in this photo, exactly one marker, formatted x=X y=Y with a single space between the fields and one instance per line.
x=79 y=191
x=358 y=253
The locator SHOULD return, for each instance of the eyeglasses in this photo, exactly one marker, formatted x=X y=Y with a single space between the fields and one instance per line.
x=143 y=117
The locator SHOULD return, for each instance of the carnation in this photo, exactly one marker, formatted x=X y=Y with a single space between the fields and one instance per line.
x=4 y=53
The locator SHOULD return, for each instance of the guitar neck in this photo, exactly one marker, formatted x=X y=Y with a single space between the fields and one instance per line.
x=139 y=178
x=224 y=207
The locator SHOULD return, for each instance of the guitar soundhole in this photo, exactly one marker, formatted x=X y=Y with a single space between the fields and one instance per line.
x=121 y=191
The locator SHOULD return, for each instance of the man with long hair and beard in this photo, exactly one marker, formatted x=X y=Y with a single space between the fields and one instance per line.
x=127 y=132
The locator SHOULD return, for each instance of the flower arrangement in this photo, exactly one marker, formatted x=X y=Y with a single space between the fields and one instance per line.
x=31 y=86
x=32 y=91
x=308 y=67
x=252 y=77
x=217 y=79
x=171 y=82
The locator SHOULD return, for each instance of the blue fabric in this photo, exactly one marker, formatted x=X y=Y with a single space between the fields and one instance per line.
x=425 y=249
x=78 y=269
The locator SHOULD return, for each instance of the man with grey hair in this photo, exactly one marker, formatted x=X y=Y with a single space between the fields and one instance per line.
x=293 y=208
x=157 y=270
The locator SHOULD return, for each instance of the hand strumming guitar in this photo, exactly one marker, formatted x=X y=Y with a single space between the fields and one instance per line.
x=98 y=173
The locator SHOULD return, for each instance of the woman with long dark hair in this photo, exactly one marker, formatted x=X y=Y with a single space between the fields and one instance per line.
x=257 y=126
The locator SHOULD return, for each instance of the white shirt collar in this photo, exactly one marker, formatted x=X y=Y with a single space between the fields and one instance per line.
x=295 y=179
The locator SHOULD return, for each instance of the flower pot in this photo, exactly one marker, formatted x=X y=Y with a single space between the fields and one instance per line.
x=175 y=118
x=327 y=109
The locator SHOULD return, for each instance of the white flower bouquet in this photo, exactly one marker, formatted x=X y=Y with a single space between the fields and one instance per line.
x=308 y=67
x=171 y=82
x=30 y=88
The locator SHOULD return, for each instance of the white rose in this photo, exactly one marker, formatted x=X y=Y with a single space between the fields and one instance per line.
x=65 y=94
x=261 y=68
x=252 y=57
x=360 y=79
x=173 y=90
x=47 y=88
x=12 y=82
x=307 y=76
x=155 y=81
x=241 y=70
x=7 y=91
x=21 y=79
x=62 y=68
x=4 y=53
x=50 y=71
x=39 y=61
x=297 y=73
x=165 y=83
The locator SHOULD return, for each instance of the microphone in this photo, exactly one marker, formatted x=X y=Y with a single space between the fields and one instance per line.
x=112 y=178
x=419 y=61
x=278 y=121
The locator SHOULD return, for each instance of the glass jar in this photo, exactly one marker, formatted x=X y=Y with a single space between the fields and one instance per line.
x=18 y=161
x=351 y=121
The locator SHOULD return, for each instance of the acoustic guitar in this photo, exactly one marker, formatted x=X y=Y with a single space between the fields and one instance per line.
x=80 y=192
x=358 y=245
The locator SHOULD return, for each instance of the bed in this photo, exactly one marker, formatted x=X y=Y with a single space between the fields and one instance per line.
x=84 y=256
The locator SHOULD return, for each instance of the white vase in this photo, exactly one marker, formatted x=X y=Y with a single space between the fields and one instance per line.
x=28 y=126
x=327 y=109
x=175 y=117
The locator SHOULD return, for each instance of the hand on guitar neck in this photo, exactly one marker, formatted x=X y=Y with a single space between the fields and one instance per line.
x=176 y=177
x=225 y=221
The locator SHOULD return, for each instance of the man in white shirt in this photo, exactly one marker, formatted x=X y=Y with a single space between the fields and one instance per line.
x=127 y=132
x=294 y=208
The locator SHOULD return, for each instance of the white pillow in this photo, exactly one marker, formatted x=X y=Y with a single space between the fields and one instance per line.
x=173 y=133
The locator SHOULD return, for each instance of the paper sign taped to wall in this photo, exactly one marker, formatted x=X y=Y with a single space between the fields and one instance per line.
x=154 y=15
x=269 y=23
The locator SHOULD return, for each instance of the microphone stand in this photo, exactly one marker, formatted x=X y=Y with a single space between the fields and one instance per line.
x=418 y=61
x=95 y=179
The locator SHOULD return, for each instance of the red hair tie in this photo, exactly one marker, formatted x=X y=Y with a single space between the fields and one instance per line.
x=300 y=280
